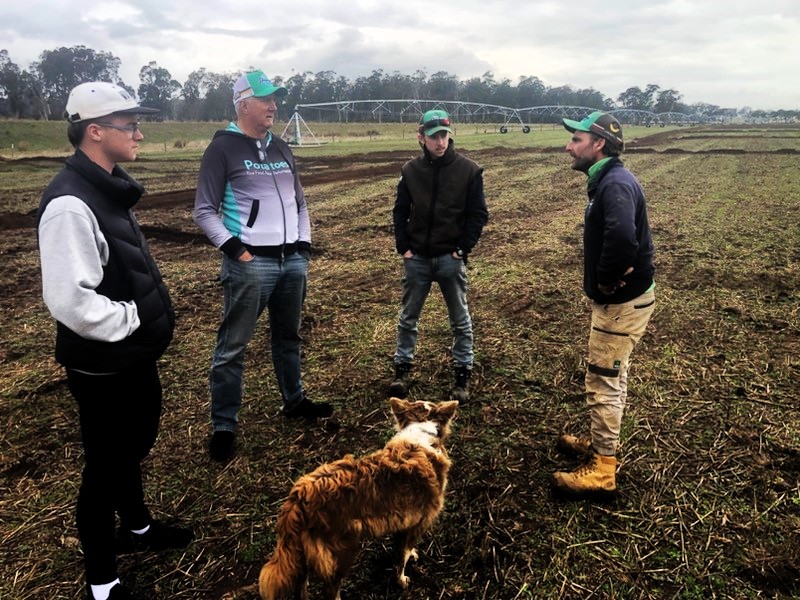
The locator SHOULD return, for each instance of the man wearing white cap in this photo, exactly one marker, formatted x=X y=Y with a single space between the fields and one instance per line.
x=114 y=320
x=251 y=206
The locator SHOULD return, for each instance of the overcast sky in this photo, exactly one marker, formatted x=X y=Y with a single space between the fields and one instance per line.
x=732 y=53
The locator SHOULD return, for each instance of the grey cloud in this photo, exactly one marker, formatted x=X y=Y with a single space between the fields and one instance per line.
x=731 y=54
x=349 y=53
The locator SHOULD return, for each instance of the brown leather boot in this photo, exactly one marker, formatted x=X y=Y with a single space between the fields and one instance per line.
x=596 y=475
x=573 y=446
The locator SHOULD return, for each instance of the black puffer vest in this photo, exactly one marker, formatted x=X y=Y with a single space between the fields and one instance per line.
x=131 y=273
x=439 y=188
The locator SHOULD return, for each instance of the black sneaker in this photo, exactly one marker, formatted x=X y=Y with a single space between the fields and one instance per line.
x=118 y=592
x=309 y=410
x=222 y=445
x=158 y=537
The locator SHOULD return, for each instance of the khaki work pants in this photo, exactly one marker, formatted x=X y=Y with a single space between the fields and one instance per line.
x=615 y=330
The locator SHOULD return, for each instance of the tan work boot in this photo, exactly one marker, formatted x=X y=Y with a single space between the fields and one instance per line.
x=596 y=475
x=573 y=446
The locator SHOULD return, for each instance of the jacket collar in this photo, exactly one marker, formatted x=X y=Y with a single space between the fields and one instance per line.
x=598 y=170
x=448 y=156
x=119 y=187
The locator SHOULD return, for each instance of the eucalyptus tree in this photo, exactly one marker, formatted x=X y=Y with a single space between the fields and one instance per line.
x=158 y=89
x=58 y=71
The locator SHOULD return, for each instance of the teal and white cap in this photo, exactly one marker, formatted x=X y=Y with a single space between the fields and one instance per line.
x=256 y=84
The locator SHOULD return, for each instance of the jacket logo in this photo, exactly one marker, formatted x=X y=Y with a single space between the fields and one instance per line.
x=273 y=166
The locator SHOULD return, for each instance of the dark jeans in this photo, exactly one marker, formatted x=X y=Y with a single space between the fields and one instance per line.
x=278 y=285
x=119 y=416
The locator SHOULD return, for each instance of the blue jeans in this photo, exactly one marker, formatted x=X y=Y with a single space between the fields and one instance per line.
x=419 y=274
x=278 y=285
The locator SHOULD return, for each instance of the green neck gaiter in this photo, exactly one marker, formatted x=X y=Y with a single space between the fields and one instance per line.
x=594 y=171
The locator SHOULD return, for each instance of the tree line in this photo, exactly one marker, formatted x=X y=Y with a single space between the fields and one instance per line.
x=41 y=91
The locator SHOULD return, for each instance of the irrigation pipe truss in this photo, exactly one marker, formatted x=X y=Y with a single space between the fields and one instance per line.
x=410 y=111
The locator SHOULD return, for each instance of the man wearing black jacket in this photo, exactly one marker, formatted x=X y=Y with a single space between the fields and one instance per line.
x=439 y=215
x=618 y=279
x=114 y=321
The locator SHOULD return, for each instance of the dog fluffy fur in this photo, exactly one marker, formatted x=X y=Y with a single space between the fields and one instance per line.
x=399 y=490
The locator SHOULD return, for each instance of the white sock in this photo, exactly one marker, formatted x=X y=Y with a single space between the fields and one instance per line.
x=101 y=592
x=140 y=531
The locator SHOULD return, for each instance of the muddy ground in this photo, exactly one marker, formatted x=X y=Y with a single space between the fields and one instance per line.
x=709 y=502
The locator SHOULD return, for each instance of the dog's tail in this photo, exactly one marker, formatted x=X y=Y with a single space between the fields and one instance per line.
x=286 y=570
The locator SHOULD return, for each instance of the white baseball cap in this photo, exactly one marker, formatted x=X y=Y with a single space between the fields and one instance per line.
x=98 y=99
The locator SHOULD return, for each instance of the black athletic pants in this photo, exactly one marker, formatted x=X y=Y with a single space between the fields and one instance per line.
x=119 y=416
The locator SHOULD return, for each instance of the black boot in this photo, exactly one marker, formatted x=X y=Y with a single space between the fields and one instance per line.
x=159 y=536
x=222 y=445
x=462 y=375
x=402 y=380
x=308 y=410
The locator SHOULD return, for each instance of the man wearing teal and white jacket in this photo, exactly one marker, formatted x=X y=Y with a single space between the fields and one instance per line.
x=251 y=206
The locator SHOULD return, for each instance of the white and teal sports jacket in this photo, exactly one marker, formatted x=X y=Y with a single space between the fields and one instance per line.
x=249 y=195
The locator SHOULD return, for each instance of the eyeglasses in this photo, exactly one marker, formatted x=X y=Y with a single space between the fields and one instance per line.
x=132 y=128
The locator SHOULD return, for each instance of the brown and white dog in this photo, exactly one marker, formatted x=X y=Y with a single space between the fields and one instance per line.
x=399 y=490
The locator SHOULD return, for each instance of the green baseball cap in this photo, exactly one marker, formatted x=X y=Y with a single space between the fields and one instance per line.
x=434 y=121
x=255 y=83
x=599 y=123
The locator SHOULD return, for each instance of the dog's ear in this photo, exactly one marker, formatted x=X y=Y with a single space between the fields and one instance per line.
x=398 y=405
x=444 y=412
x=399 y=410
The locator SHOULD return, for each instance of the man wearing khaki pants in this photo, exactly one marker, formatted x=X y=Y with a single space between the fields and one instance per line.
x=618 y=279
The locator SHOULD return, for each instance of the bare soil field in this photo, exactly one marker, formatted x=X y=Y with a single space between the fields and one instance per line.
x=709 y=500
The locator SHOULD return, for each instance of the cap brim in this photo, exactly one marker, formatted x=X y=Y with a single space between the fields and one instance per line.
x=137 y=110
x=430 y=132
x=573 y=126
x=278 y=91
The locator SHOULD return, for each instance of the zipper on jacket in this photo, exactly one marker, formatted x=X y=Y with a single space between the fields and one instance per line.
x=432 y=209
x=256 y=203
x=283 y=208
x=253 y=212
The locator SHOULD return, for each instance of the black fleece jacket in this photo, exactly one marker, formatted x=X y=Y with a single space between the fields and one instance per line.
x=616 y=236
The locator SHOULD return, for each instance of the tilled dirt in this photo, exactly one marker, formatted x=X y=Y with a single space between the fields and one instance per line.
x=709 y=502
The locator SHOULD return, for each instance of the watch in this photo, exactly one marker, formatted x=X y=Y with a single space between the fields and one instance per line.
x=459 y=253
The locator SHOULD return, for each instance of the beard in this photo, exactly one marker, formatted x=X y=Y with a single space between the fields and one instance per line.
x=581 y=164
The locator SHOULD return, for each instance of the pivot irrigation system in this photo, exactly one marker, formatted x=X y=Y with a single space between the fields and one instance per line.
x=299 y=133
